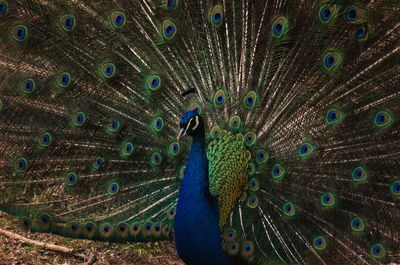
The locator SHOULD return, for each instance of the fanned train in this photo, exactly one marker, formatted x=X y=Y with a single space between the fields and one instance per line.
x=293 y=108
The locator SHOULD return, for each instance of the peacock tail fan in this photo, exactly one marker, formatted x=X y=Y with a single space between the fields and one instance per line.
x=90 y=100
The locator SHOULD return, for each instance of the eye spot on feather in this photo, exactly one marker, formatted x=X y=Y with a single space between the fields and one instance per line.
x=97 y=163
x=328 y=200
x=26 y=222
x=289 y=209
x=251 y=169
x=114 y=126
x=73 y=229
x=64 y=80
x=107 y=70
x=333 y=116
x=279 y=27
x=378 y=251
x=250 y=138
x=67 y=22
x=355 y=14
x=127 y=149
x=219 y=98
x=250 y=100
x=171 y=213
x=173 y=149
x=362 y=33
x=21 y=165
x=357 y=224
x=305 y=150
x=153 y=82
x=106 y=230
x=156 y=159
x=332 y=60
x=278 y=172
x=3 y=8
x=232 y=247
x=113 y=188
x=118 y=19
x=327 y=13
x=252 y=201
x=44 y=139
x=253 y=184
x=359 y=174
x=319 y=243
x=262 y=157
x=169 y=4
x=134 y=229
x=19 y=33
x=122 y=230
x=89 y=230
x=168 y=29
x=78 y=119
x=217 y=15
x=157 y=124
x=247 y=249
x=235 y=122
x=71 y=178
x=229 y=234
x=27 y=86
x=383 y=119
x=215 y=132
x=43 y=222
x=395 y=188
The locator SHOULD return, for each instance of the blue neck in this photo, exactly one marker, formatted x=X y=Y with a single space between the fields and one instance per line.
x=197 y=232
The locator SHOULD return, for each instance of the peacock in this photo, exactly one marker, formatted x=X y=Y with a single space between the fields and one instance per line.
x=250 y=132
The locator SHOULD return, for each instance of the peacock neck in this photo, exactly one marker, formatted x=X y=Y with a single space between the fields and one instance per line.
x=197 y=232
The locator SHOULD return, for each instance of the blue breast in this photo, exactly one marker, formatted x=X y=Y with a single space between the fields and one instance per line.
x=197 y=232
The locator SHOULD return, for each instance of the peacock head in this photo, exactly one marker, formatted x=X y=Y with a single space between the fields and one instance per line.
x=191 y=124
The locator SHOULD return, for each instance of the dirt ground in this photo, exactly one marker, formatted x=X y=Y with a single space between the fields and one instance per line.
x=13 y=252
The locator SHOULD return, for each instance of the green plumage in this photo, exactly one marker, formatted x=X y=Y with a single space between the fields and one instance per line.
x=90 y=101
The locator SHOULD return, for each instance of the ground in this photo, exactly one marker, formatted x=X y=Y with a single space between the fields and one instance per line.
x=18 y=253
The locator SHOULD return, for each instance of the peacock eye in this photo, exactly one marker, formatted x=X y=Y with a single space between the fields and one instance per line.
x=78 y=119
x=169 y=29
x=250 y=100
x=383 y=119
x=169 y=4
x=219 y=98
x=235 y=122
x=278 y=172
x=127 y=149
x=355 y=14
x=107 y=70
x=3 y=8
x=378 y=251
x=319 y=243
x=67 y=22
x=113 y=188
x=19 y=33
x=157 y=124
x=217 y=15
x=253 y=184
x=362 y=33
x=332 y=60
x=44 y=139
x=27 y=86
x=71 y=178
x=305 y=150
x=359 y=174
x=118 y=19
x=279 y=27
x=262 y=157
x=250 y=138
x=328 y=199
x=156 y=159
x=21 y=165
x=357 y=224
x=327 y=13
x=289 y=209
x=173 y=148
x=395 y=188
x=153 y=82
x=63 y=80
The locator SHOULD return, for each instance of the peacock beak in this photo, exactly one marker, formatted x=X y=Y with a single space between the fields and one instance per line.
x=182 y=133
